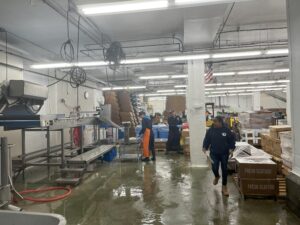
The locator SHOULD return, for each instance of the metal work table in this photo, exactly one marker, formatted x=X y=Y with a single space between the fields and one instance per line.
x=87 y=157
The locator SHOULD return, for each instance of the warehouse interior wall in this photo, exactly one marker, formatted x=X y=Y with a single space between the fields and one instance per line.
x=158 y=105
x=53 y=105
x=269 y=102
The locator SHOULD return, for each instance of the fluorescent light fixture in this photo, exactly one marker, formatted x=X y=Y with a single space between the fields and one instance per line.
x=224 y=74
x=179 y=76
x=210 y=85
x=96 y=63
x=236 y=54
x=210 y=89
x=136 y=87
x=123 y=7
x=187 y=2
x=139 y=61
x=154 y=77
x=215 y=96
x=186 y=57
x=163 y=91
x=118 y=88
x=229 y=88
x=281 y=71
x=162 y=94
x=254 y=72
x=273 y=89
x=246 y=87
x=157 y=98
x=277 y=51
x=245 y=94
x=238 y=83
x=106 y=89
x=51 y=65
x=283 y=81
x=180 y=86
x=263 y=82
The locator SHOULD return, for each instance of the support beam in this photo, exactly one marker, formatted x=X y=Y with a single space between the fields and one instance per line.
x=293 y=7
x=293 y=180
x=196 y=111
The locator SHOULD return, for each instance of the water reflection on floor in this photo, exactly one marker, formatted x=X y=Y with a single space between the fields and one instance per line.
x=166 y=192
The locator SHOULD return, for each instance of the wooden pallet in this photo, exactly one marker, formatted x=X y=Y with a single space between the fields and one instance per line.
x=281 y=187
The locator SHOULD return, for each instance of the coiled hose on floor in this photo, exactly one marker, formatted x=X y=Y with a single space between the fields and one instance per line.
x=67 y=192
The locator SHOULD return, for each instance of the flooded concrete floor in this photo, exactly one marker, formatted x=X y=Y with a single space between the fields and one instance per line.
x=166 y=192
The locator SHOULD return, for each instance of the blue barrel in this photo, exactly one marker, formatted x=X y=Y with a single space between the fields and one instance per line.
x=163 y=131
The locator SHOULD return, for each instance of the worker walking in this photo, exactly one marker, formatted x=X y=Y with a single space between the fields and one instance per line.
x=221 y=142
x=148 y=137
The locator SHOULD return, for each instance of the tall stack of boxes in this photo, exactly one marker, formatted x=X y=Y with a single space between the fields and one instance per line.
x=255 y=120
x=287 y=149
x=126 y=111
x=176 y=103
x=257 y=176
x=278 y=143
x=111 y=98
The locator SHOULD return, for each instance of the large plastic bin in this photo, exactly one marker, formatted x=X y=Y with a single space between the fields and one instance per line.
x=27 y=218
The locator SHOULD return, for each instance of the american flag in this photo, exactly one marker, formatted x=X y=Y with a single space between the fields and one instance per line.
x=209 y=74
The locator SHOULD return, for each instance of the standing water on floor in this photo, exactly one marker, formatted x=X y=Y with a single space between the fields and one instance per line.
x=167 y=192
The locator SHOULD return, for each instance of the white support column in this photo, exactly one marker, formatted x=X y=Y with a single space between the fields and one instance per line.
x=293 y=7
x=195 y=99
x=288 y=105
x=256 y=101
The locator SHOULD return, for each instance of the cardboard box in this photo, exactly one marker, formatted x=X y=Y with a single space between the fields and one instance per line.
x=276 y=147
x=275 y=130
x=176 y=103
x=256 y=168
x=258 y=187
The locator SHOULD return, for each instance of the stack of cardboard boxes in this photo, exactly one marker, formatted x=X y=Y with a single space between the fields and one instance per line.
x=257 y=177
x=287 y=149
x=112 y=99
x=255 y=120
x=126 y=111
x=176 y=103
x=270 y=142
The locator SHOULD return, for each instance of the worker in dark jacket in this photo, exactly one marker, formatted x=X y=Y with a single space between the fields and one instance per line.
x=148 y=137
x=221 y=142
x=173 y=142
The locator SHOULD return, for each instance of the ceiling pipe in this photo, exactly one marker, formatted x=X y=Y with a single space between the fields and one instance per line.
x=94 y=37
x=222 y=26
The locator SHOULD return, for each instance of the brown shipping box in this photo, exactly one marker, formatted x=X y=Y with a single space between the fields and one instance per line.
x=276 y=147
x=275 y=130
x=176 y=103
x=256 y=168
x=258 y=187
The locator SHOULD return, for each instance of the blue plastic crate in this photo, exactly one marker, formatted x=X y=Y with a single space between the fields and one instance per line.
x=110 y=156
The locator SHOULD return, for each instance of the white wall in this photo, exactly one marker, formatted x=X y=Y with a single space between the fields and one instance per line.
x=157 y=105
x=235 y=103
x=268 y=102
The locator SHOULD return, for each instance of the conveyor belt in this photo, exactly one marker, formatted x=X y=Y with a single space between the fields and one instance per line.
x=91 y=155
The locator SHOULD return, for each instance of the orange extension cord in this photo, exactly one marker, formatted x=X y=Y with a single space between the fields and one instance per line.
x=42 y=190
